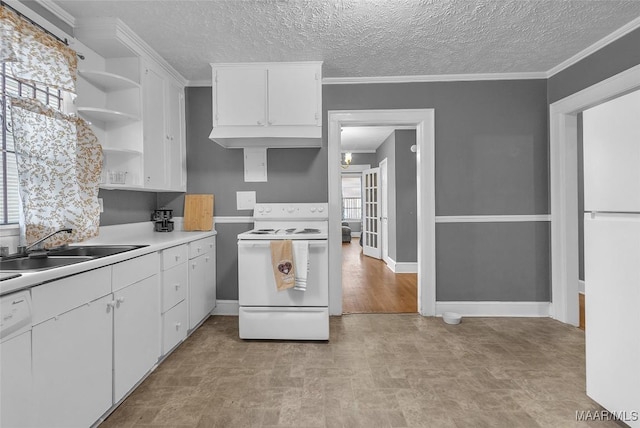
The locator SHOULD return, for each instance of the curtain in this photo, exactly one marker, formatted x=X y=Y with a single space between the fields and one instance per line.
x=35 y=56
x=59 y=163
x=58 y=156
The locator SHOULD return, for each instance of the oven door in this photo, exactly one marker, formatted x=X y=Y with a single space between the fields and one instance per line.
x=257 y=287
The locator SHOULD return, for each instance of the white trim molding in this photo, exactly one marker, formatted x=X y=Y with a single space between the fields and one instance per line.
x=495 y=309
x=617 y=34
x=424 y=121
x=433 y=78
x=59 y=12
x=563 y=170
x=401 y=267
x=233 y=219
x=226 y=307
x=199 y=83
x=492 y=218
x=581 y=286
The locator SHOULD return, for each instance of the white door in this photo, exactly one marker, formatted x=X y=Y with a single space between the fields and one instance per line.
x=154 y=129
x=371 y=213
x=202 y=288
x=384 y=210
x=72 y=366
x=176 y=151
x=136 y=333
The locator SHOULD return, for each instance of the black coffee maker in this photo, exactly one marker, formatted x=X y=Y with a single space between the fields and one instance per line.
x=162 y=218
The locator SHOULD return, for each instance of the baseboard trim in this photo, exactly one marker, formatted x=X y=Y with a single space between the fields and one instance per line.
x=226 y=307
x=495 y=309
x=401 y=267
x=492 y=218
x=580 y=286
x=356 y=234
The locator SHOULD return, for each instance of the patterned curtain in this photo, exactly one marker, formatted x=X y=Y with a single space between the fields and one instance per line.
x=59 y=163
x=58 y=156
x=35 y=56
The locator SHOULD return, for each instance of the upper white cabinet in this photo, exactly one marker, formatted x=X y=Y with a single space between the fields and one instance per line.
x=135 y=103
x=267 y=104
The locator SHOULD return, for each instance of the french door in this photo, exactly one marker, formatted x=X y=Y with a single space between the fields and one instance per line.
x=371 y=242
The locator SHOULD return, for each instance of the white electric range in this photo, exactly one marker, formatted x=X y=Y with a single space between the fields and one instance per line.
x=265 y=312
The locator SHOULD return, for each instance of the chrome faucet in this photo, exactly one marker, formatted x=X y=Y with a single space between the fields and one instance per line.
x=37 y=246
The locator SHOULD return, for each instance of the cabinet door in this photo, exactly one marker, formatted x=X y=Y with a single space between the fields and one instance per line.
x=202 y=288
x=72 y=366
x=239 y=96
x=176 y=150
x=153 y=87
x=15 y=382
x=294 y=94
x=136 y=333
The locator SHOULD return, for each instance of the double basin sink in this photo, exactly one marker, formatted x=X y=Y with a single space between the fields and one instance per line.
x=62 y=257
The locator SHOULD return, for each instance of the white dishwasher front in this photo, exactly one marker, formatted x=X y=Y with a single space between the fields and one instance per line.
x=15 y=360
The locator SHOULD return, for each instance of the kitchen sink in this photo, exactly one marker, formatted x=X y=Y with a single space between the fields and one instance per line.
x=35 y=264
x=94 y=251
x=63 y=256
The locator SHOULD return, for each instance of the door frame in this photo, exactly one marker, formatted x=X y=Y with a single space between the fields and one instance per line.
x=423 y=120
x=384 y=207
x=563 y=168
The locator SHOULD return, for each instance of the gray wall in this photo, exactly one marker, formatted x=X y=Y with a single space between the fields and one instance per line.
x=388 y=150
x=614 y=58
x=121 y=206
x=406 y=198
x=491 y=158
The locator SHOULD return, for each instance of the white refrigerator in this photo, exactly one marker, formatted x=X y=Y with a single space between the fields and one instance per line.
x=611 y=137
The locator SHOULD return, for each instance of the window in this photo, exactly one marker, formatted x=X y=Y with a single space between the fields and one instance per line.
x=9 y=86
x=351 y=197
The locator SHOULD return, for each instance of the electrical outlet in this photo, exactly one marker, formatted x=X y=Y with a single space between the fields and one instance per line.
x=101 y=204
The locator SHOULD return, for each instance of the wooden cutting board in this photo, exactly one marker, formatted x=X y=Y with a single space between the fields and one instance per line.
x=198 y=212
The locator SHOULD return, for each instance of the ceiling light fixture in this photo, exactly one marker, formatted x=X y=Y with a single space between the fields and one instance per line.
x=347 y=160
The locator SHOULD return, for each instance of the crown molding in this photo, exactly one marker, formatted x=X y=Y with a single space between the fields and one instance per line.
x=59 y=12
x=199 y=83
x=620 y=32
x=433 y=78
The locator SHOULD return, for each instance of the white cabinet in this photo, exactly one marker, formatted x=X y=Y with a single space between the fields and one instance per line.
x=202 y=280
x=15 y=381
x=267 y=104
x=135 y=102
x=72 y=352
x=164 y=131
x=175 y=283
x=95 y=336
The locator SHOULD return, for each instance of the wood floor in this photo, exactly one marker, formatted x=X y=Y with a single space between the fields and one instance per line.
x=369 y=286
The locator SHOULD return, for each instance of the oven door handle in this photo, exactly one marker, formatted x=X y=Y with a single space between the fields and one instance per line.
x=266 y=244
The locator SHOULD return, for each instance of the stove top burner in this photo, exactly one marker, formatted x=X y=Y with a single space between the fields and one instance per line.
x=262 y=231
x=308 y=230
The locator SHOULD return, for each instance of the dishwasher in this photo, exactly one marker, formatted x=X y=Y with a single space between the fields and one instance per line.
x=15 y=360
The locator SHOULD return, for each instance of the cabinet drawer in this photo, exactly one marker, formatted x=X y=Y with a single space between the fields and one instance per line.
x=174 y=285
x=174 y=256
x=134 y=270
x=175 y=323
x=57 y=297
x=202 y=246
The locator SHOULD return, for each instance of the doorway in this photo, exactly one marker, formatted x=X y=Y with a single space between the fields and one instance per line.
x=423 y=121
x=564 y=187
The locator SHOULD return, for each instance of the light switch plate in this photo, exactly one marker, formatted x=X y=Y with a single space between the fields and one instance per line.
x=246 y=200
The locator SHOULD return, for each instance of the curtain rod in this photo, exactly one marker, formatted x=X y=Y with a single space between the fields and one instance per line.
x=26 y=18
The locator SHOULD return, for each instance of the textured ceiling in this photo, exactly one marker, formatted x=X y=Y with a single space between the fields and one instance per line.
x=357 y=38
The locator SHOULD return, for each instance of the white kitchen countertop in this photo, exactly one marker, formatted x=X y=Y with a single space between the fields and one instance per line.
x=125 y=234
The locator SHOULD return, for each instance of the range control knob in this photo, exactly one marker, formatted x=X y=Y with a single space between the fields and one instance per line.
x=290 y=209
x=320 y=209
x=268 y=209
x=313 y=209
x=260 y=209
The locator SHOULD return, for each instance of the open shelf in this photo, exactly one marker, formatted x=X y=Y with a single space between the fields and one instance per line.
x=107 y=82
x=129 y=152
x=105 y=115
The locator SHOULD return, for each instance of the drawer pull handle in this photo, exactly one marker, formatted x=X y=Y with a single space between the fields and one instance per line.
x=111 y=304
x=199 y=249
x=193 y=266
x=206 y=259
x=211 y=245
x=177 y=287
x=178 y=325
x=177 y=258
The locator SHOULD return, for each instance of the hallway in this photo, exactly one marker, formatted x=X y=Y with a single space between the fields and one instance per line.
x=369 y=286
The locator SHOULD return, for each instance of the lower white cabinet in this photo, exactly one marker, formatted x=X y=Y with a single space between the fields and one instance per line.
x=72 y=366
x=202 y=280
x=175 y=308
x=89 y=352
x=136 y=334
x=16 y=392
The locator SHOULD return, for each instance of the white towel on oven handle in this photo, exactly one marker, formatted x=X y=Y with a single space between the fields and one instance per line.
x=301 y=262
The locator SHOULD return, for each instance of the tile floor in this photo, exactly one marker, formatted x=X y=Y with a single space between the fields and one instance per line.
x=376 y=371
